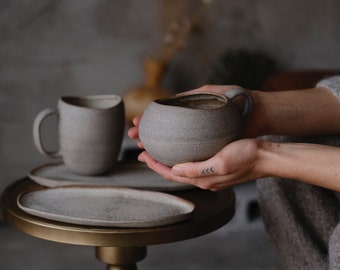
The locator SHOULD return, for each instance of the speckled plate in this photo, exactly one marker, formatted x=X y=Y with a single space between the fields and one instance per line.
x=126 y=174
x=112 y=207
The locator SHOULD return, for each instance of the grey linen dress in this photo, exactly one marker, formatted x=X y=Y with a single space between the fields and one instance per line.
x=303 y=220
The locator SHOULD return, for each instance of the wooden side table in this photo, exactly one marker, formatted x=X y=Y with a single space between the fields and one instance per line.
x=122 y=248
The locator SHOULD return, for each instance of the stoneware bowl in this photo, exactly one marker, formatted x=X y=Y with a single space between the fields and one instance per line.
x=192 y=127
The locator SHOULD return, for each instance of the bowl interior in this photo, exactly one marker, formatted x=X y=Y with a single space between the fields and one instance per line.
x=196 y=101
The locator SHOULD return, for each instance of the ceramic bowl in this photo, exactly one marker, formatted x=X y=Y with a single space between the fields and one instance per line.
x=191 y=127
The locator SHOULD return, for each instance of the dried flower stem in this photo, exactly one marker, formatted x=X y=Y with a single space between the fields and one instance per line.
x=179 y=30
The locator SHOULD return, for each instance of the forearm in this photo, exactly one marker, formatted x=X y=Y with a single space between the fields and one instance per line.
x=314 y=164
x=294 y=113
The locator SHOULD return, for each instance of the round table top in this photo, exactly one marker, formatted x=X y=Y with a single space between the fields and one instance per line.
x=212 y=211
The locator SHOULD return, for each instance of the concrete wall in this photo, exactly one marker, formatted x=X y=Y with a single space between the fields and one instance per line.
x=50 y=48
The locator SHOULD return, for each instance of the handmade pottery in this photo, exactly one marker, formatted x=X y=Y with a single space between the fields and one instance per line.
x=90 y=132
x=126 y=174
x=109 y=207
x=192 y=127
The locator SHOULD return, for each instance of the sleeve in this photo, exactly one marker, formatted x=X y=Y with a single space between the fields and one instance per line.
x=332 y=84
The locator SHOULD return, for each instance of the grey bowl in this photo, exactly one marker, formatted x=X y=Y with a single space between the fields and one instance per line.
x=189 y=128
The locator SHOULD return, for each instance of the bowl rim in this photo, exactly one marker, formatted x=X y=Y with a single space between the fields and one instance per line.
x=220 y=97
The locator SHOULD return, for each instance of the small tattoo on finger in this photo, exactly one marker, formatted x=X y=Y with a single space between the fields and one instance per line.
x=209 y=170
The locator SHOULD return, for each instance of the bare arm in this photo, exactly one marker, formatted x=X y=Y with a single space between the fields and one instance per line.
x=295 y=113
x=301 y=112
x=315 y=164
x=250 y=159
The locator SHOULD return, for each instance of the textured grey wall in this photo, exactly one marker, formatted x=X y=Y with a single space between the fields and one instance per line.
x=50 y=48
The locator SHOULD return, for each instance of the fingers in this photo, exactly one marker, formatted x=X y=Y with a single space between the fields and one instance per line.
x=133 y=133
x=197 y=169
x=220 y=89
x=163 y=170
x=199 y=174
x=136 y=120
x=187 y=173
x=211 y=174
x=159 y=168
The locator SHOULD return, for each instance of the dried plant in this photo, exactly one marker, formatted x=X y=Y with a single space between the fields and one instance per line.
x=181 y=18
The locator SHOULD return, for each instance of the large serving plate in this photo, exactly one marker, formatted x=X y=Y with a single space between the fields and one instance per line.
x=126 y=174
x=116 y=207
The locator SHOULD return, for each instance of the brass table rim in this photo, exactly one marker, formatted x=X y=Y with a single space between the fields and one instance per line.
x=206 y=218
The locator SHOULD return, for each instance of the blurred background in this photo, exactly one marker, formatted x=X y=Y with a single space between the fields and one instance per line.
x=51 y=48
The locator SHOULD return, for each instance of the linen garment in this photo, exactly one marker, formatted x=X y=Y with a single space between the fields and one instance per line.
x=301 y=219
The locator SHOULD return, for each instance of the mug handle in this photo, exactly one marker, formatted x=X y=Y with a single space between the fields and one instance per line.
x=248 y=105
x=37 y=133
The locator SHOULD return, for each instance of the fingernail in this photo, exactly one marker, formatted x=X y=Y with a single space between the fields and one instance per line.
x=129 y=133
x=141 y=157
x=177 y=171
x=135 y=121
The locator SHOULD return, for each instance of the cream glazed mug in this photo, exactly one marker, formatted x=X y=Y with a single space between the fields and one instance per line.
x=90 y=132
x=192 y=127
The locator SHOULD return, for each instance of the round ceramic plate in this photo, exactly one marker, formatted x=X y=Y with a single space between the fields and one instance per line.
x=116 y=207
x=126 y=174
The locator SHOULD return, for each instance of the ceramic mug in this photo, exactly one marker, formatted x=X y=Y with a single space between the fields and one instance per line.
x=192 y=127
x=90 y=132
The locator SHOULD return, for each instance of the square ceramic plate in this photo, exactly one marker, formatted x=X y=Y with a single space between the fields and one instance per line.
x=112 y=207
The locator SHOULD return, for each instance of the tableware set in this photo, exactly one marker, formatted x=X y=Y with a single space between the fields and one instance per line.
x=91 y=187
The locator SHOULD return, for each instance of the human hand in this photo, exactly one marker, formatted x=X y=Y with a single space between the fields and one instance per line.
x=217 y=89
x=133 y=131
x=201 y=174
x=236 y=163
